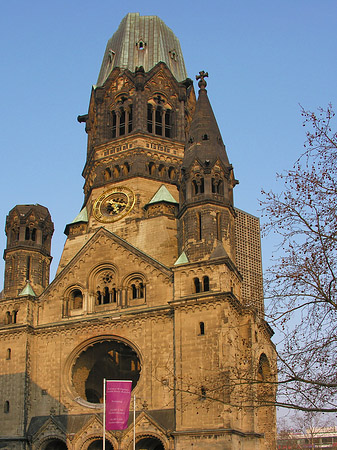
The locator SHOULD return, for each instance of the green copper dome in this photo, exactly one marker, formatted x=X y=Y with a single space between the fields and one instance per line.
x=142 y=41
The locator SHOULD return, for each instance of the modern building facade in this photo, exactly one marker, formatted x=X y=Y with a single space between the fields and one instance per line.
x=159 y=282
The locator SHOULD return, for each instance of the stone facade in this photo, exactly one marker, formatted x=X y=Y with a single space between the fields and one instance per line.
x=160 y=279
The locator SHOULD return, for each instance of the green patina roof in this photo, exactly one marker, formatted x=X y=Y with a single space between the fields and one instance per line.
x=157 y=41
x=81 y=217
x=27 y=290
x=162 y=195
x=182 y=259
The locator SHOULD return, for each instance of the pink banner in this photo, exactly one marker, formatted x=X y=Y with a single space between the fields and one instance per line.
x=117 y=404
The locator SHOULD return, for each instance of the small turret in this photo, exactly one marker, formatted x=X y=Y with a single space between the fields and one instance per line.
x=29 y=230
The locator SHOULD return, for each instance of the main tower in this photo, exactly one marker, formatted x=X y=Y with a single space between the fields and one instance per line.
x=155 y=284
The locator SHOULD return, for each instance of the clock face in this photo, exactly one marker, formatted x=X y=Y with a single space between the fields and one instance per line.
x=114 y=204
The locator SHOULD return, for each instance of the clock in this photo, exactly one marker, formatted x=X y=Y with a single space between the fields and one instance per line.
x=114 y=204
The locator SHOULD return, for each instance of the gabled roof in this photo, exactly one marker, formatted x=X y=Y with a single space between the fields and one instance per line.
x=119 y=241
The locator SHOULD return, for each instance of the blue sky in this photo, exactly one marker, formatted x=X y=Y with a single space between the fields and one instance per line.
x=263 y=59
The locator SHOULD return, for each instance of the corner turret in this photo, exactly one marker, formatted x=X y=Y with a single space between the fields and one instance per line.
x=207 y=179
x=29 y=230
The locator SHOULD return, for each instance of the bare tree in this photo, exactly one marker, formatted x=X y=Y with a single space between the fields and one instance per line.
x=301 y=284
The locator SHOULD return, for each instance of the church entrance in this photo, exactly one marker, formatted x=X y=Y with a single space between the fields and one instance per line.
x=98 y=445
x=56 y=444
x=149 y=443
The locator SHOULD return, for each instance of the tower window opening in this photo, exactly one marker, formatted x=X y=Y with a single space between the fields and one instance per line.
x=218 y=226
x=203 y=393
x=106 y=295
x=168 y=124
x=130 y=119
x=28 y=268
x=202 y=328
x=122 y=122
x=152 y=168
x=76 y=298
x=8 y=319
x=197 y=285
x=205 y=283
x=14 y=316
x=205 y=137
x=6 y=407
x=172 y=173
x=158 y=121
x=33 y=234
x=9 y=354
x=114 y=124
x=199 y=226
x=149 y=118
x=107 y=174
x=27 y=234
x=202 y=186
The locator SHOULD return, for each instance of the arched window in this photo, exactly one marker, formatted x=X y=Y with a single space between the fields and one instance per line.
x=125 y=168
x=159 y=118
x=136 y=288
x=202 y=328
x=218 y=226
x=172 y=173
x=121 y=119
x=116 y=171
x=28 y=267
x=27 y=234
x=152 y=168
x=161 y=170
x=8 y=354
x=106 y=291
x=33 y=234
x=8 y=319
x=217 y=186
x=263 y=368
x=6 y=407
x=107 y=174
x=76 y=299
x=197 y=285
x=14 y=316
x=205 y=283
x=198 y=186
x=199 y=226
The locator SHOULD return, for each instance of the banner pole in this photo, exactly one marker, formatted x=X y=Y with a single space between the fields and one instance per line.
x=134 y=422
x=103 y=413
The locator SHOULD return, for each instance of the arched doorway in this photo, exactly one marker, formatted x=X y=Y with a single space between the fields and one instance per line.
x=55 y=444
x=98 y=445
x=149 y=443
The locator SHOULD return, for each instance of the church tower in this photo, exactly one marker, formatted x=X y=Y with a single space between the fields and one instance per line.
x=159 y=282
x=29 y=230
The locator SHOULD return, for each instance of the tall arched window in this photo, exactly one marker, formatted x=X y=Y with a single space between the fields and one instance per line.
x=8 y=354
x=121 y=120
x=159 y=119
x=6 y=407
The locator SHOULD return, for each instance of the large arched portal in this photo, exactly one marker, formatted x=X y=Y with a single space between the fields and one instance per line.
x=149 y=443
x=108 y=358
x=98 y=445
x=55 y=444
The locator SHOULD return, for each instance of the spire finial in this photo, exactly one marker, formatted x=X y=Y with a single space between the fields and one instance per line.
x=201 y=77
